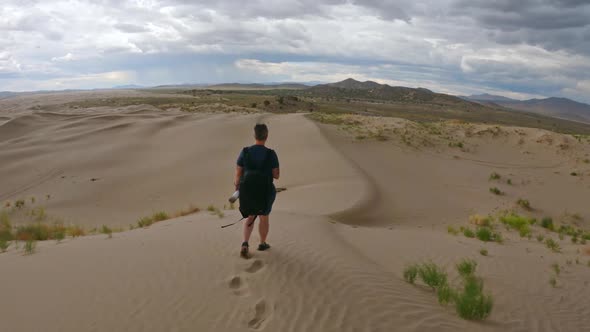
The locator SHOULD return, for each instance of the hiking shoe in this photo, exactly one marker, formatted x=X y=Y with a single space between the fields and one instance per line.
x=244 y=251
x=263 y=246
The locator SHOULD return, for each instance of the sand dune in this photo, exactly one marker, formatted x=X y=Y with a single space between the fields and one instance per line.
x=353 y=215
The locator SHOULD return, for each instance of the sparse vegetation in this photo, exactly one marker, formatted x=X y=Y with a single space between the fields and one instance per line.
x=553 y=282
x=478 y=220
x=495 y=176
x=20 y=203
x=468 y=233
x=188 y=211
x=519 y=223
x=496 y=191
x=410 y=273
x=470 y=301
x=107 y=230
x=216 y=211
x=432 y=275
x=524 y=203
x=483 y=252
x=547 y=223
x=452 y=230
x=556 y=268
x=540 y=238
x=30 y=246
x=574 y=174
x=551 y=244
x=4 y=245
x=466 y=267
x=148 y=221
x=509 y=182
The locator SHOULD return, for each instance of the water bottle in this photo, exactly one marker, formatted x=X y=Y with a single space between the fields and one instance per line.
x=234 y=197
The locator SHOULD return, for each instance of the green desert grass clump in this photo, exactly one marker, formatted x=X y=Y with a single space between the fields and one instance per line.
x=547 y=223
x=470 y=301
x=524 y=203
x=215 y=210
x=466 y=267
x=4 y=245
x=486 y=234
x=496 y=191
x=148 y=221
x=519 y=223
x=468 y=233
x=540 y=238
x=30 y=246
x=551 y=244
x=556 y=268
x=432 y=275
x=452 y=230
x=483 y=252
x=19 y=204
x=106 y=230
x=495 y=176
x=410 y=273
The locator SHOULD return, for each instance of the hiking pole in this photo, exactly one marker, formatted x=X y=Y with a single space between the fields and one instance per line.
x=249 y=225
x=224 y=226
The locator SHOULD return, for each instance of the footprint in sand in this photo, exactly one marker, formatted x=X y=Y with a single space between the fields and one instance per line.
x=238 y=287
x=261 y=314
x=255 y=266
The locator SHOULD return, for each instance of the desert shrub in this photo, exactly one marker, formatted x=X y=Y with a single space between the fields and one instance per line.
x=574 y=174
x=479 y=220
x=468 y=233
x=34 y=232
x=483 y=252
x=30 y=246
x=75 y=231
x=466 y=267
x=4 y=245
x=160 y=216
x=574 y=239
x=106 y=230
x=509 y=182
x=472 y=303
x=553 y=282
x=446 y=294
x=20 y=203
x=253 y=105
x=432 y=275
x=556 y=268
x=486 y=234
x=524 y=203
x=519 y=223
x=540 y=238
x=410 y=273
x=495 y=176
x=145 y=222
x=551 y=244
x=547 y=223
x=496 y=191
x=452 y=230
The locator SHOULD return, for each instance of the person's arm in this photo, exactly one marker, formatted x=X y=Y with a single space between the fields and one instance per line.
x=276 y=171
x=239 y=172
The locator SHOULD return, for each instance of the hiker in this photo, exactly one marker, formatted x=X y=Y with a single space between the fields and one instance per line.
x=257 y=166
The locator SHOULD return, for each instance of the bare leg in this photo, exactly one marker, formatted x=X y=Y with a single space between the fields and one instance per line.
x=263 y=227
x=248 y=227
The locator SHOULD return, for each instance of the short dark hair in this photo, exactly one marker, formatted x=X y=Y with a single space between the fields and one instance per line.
x=261 y=132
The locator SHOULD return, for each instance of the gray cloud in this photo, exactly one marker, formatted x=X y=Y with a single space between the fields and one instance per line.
x=530 y=46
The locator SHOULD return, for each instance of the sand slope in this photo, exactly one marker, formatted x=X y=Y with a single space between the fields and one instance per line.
x=320 y=275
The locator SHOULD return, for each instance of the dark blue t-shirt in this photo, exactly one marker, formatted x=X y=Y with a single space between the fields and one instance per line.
x=257 y=154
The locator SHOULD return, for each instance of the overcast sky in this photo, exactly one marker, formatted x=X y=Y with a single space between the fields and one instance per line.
x=521 y=49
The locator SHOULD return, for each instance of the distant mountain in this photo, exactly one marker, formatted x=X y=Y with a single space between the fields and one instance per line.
x=257 y=86
x=353 y=89
x=562 y=108
x=129 y=86
x=489 y=97
x=6 y=94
